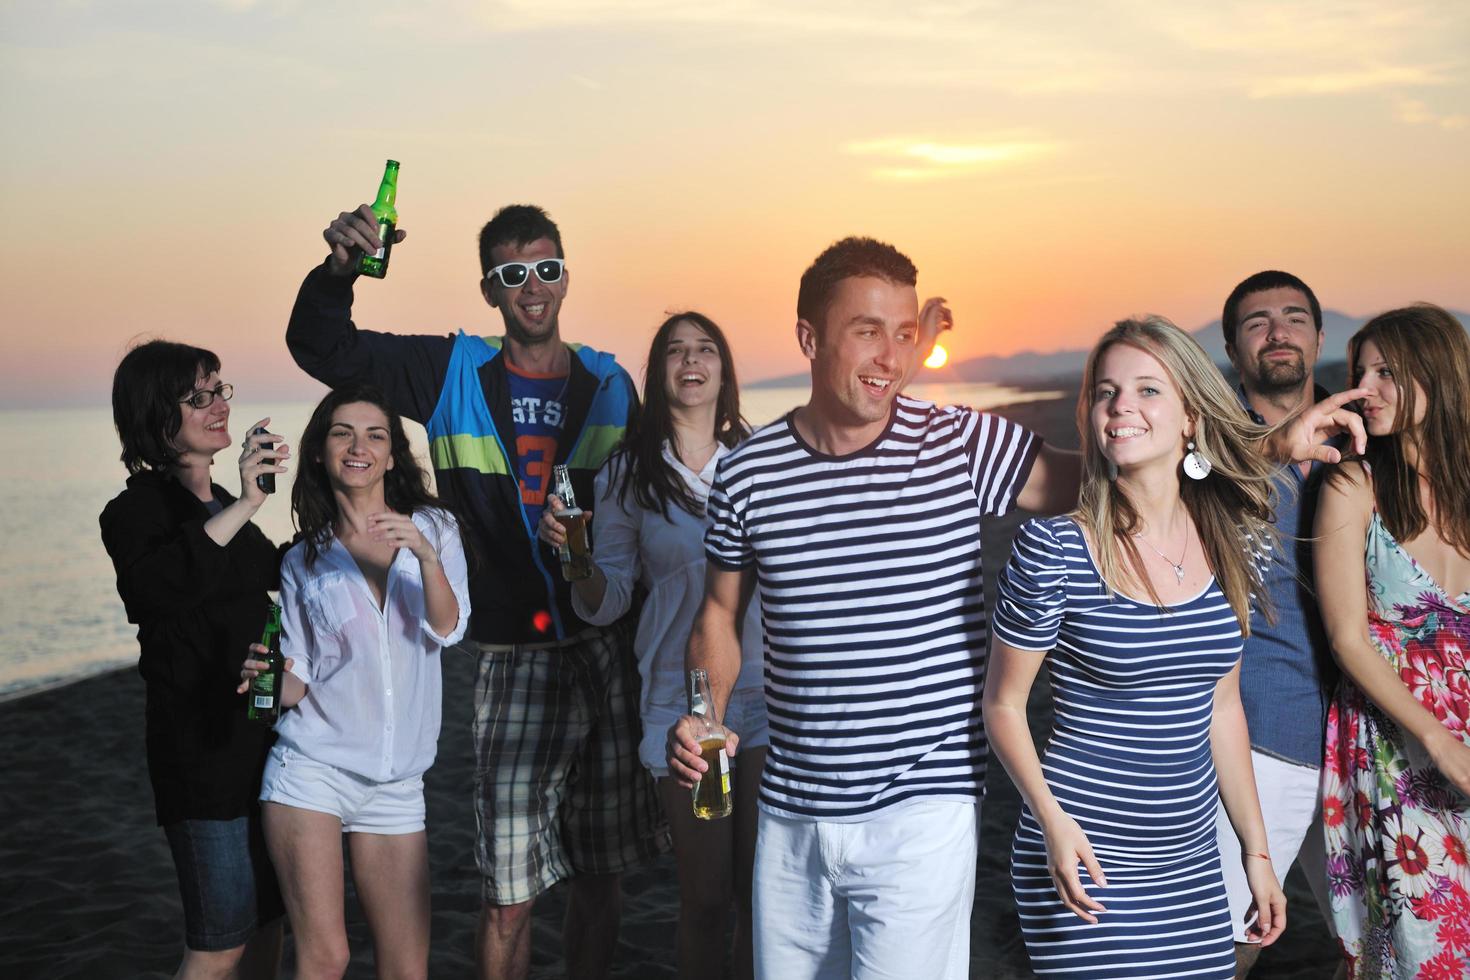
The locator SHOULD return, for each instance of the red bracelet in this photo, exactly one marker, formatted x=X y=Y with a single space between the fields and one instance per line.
x=1256 y=854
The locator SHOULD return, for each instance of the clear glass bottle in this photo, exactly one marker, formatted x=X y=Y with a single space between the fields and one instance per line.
x=575 y=554
x=713 y=797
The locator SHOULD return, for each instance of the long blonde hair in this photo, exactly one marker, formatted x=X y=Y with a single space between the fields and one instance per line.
x=1231 y=507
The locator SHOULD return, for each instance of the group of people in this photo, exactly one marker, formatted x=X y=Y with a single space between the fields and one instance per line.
x=1203 y=562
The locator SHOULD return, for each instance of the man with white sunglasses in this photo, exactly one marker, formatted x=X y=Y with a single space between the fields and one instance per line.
x=559 y=793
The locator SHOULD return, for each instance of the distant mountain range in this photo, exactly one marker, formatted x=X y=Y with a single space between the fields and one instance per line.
x=1030 y=367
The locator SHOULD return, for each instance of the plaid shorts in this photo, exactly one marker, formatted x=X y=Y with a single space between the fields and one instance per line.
x=559 y=791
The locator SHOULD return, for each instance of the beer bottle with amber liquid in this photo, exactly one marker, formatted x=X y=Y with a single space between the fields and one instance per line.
x=375 y=264
x=713 y=798
x=575 y=554
x=265 y=687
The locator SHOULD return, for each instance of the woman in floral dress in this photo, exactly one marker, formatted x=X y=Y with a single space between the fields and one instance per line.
x=1396 y=783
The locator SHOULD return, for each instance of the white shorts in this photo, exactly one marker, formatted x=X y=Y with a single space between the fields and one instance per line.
x=1291 y=805
x=745 y=715
x=364 y=806
x=880 y=898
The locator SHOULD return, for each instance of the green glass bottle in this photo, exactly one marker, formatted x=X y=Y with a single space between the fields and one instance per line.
x=376 y=263
x=265 y=689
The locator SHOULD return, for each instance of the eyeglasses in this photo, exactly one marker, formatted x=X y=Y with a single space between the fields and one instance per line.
x=513 y=274
x=204 y=397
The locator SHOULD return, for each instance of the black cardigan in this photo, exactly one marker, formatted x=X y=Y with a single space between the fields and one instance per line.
x=197 y=606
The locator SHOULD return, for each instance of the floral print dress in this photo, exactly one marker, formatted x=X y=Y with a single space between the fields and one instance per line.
x=1396 y=828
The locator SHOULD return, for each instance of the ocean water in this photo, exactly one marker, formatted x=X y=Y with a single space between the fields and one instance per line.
x=60 y=617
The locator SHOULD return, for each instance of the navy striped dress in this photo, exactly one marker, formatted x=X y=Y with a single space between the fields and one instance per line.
x=1129 y=760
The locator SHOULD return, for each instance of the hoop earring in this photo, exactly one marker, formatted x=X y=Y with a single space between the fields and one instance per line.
x=1196 y=467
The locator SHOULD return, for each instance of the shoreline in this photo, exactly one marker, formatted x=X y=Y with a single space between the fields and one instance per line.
x=1029 y=394
x=54 y=683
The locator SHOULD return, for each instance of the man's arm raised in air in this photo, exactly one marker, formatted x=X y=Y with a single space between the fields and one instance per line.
x=714 y=644
x=1055 y=475
x=327 y=345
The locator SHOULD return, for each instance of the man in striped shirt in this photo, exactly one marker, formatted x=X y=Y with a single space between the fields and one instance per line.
x=858 y=515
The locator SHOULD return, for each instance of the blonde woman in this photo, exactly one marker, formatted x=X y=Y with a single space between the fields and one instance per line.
x=1396 y=778
x=1138 y=602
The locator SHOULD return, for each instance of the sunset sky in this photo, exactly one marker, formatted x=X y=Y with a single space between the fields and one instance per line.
x=1050 y=166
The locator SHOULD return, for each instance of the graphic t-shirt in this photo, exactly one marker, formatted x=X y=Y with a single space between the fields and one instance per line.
x=539 y=411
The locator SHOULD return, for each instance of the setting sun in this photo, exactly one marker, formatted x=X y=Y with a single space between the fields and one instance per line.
x=937 y=357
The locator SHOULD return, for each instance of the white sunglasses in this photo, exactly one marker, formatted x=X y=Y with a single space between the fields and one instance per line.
x=513 y=274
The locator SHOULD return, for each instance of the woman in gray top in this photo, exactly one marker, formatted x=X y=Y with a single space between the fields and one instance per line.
x=650 y=532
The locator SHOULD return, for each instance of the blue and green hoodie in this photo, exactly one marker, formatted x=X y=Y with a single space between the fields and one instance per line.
x=458 y=388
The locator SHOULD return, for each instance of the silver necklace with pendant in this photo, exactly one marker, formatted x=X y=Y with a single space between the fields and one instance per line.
x=1178 y=566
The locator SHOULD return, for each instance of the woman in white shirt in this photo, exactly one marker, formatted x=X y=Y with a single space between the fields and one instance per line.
x=371 y=592
x=650 y=531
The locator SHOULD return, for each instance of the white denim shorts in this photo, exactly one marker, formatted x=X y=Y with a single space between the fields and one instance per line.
x=745 y=715
x=364 y=806
x=889 y=896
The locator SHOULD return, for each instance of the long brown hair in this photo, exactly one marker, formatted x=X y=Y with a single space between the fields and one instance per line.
x=639 y=465
x=1424 y=345
x=1231 y=507
x=314 y=506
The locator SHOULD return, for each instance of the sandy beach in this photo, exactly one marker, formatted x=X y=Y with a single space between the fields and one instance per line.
x=89 y=890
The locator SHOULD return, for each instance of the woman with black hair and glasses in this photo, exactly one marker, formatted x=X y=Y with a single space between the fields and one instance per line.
x=193 y=572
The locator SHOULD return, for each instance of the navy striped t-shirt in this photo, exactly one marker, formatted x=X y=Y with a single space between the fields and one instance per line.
x=873 y=603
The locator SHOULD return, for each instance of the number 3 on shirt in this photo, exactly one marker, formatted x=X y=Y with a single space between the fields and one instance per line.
x=538 y=455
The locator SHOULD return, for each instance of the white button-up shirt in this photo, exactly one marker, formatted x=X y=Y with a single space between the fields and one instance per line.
x=372 y=704
x=631 y=544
